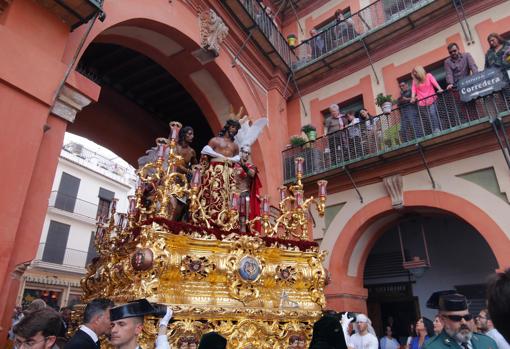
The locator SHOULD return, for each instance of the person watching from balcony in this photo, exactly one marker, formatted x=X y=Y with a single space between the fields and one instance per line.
x=317 y=44
x=498 y=54
x=344 y=28
x=423 y=91
x=334 y=121
x=354 y=132
x=333 y=124
x=371 y=130
x=410 y=127
x=458 y=65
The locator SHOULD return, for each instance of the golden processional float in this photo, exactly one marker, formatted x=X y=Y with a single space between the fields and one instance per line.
x=257 y=288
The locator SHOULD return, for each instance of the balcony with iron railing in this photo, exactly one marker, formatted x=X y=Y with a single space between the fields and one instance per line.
x=72 y=207
x=262 y=29
x=65 y=259
x=397 y=133
x=373 y=27
x=98 y=163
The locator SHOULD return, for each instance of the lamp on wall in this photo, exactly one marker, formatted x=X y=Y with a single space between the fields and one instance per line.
x=416 y=266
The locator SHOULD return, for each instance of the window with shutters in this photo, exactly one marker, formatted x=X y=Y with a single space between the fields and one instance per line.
x=105 y=199
x=56 y=242
x=67 y=192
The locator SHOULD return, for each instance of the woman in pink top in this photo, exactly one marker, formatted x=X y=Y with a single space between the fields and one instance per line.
x=423 y=91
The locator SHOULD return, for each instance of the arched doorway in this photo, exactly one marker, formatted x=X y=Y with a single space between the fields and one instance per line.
x=360 y=234
x=459 y=259
x=138 y=99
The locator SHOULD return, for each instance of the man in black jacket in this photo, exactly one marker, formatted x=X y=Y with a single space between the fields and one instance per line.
x=96 y=322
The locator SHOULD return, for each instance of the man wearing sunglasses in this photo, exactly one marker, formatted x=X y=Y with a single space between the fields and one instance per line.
x=458 y=327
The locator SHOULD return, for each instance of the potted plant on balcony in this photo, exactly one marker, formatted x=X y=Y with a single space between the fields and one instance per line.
x=297 y=141
x=310 y=132
x=292 y=40
x=385 y=102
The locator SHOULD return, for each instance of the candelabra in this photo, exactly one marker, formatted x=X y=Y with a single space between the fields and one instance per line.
x=293 y=221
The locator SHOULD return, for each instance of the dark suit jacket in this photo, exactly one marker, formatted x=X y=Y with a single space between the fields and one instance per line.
x=80 y=340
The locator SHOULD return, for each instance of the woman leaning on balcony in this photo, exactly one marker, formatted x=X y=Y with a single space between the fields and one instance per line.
x=423 y=91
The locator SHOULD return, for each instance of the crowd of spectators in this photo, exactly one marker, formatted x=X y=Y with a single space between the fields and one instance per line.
x=422 y=109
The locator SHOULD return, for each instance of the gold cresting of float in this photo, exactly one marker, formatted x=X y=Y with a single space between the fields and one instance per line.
x=293 y=220
x=256 y=288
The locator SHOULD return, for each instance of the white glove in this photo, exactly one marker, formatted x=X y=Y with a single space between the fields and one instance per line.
x=166 y=319
x=346 y=320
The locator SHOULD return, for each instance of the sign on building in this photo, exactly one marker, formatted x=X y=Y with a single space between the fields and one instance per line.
x=481 y=84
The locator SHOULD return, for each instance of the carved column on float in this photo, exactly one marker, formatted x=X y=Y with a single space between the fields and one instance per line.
x=68 y=103
x=395 y=187
x=212 y=32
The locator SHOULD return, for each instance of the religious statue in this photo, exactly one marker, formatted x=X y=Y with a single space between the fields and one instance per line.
x=247 y=178
x=218 y=182
x=189 y=157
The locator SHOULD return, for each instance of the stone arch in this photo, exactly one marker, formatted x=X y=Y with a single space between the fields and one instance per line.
x=351 y=249
x=178 y=22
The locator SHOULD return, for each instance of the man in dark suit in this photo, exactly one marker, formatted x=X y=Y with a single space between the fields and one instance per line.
x=96 y=322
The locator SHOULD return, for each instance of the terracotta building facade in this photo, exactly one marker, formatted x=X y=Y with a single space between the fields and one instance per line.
x=119 y=79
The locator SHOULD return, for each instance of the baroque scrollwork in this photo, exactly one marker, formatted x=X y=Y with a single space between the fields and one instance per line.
x=212 y=31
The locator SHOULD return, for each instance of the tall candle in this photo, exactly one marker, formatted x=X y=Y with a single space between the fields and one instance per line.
x=298 y=162
x=265 y=205
x=283 y=193
x=196 y=179
x=234 y=202
x=322 y=187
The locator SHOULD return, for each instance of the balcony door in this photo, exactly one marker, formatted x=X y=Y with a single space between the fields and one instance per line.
x=67 y=192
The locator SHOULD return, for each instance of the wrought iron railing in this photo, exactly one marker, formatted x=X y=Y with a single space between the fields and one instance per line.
x=67 y=257
x=78 y=153
x=73 y=204
x=409 y=124
x=270 y=30
x=343 y=32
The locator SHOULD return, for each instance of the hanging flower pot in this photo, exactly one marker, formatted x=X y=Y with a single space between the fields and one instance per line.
x=292 y=40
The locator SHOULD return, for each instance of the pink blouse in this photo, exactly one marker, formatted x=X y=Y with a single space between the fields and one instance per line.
x=425 y=89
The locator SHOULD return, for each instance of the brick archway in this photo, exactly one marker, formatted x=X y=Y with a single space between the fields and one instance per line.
x=347 y=262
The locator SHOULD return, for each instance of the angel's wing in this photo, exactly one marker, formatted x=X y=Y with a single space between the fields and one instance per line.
x=248 y=134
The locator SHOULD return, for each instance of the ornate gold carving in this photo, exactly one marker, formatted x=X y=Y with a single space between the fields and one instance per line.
x=254 y=290
x=197 y=268
x=286 y=275
x=212 y=31
x=245 y=269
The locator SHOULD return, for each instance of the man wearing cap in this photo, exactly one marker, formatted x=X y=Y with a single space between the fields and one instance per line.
x=364 y=338
x=127 y=324
x=457 y=332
